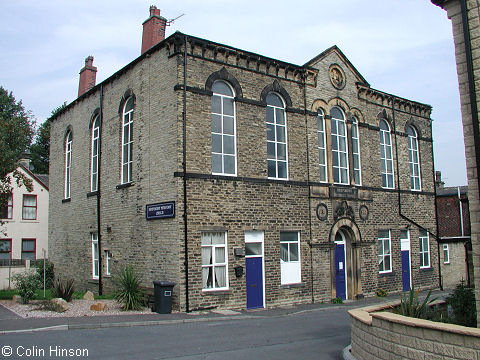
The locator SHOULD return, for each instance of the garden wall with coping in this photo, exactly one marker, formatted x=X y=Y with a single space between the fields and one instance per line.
x=381 y=335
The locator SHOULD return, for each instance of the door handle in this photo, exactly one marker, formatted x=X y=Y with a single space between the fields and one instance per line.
x=253 y=285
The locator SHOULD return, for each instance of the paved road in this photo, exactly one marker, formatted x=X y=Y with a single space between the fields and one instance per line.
x=318 y=334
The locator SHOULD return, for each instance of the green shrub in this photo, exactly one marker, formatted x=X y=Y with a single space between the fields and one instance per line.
x=411 y=306
x=49 y=273
x=381 y=292
x=64 y=289
x=129 y=292
x=26 y=284
x=462 y=301
x=337 y=300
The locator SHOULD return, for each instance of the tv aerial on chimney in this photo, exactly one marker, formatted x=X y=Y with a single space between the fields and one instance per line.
x=171 y=21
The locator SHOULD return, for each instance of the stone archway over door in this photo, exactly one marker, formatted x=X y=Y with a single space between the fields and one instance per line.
x=345 y=232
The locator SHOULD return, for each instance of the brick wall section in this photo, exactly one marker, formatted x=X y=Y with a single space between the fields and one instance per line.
x=384 y=335
x=454 y=13
x=449 y=213
x=456 y=270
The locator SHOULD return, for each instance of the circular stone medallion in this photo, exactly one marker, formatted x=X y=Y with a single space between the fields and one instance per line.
x=337 y=76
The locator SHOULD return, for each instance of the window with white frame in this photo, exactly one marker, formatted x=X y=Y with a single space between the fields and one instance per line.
x=6 y=212
x=5 y=249
x=127 y=141
x=28 y=249
x=357 y=172
x=386 y=155
x=95 y=260
x=277 y=156
x=68 y=163
x=384 y=251
x=108 y=257
x=290 y=267
x=94 y=154
x=322 y=151
x=223 y=130
x=214 y=261
x=413 y=159
x=29 y=211
x=424 y=249
x=446 y=254
x=339 y=147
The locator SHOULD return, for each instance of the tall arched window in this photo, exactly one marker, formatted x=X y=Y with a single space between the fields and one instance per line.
x=277 y=157
x=322 y=153
x=68 y=163
x=127 y=141
x=386 y=155
x=357 y=172
x=339 y=147
x=94 y=154
x=223 y=130
x=413 y=159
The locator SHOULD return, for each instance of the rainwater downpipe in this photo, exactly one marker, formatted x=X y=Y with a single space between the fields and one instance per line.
x=184 y=164
x=99 y=233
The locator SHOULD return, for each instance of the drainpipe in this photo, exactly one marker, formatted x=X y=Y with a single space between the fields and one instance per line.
x=99 y=233
x=440 y=280
x=461 y=211
x=184 y=163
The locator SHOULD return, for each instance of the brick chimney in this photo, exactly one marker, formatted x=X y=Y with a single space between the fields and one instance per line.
x=438 y=180
x=153 y=29
x=88 y=76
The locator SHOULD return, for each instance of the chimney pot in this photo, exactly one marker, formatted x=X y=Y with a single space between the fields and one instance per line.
x=88 y=76
x=153 y=29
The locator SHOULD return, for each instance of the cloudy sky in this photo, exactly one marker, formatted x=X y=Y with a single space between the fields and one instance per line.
x=403 y=47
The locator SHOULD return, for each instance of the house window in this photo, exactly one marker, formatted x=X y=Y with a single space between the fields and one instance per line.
x=424 y=249
x=5 y=249
x=322 y=153
x=68 y=163
x=384 y=251
x=357 y=172
x=94 y=154
x=127 y=141
x=214 y=261
x=28 y=249
x=277 y=157
x=223 y=130
x=95 y=262
x=413 y=159
x=339 y=147
x=290 y=267
x=446 y=254
x=108 y=257
x=6 y=212
x=29 y=211
x=386 y=155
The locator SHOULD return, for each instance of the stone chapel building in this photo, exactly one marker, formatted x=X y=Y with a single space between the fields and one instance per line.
x=248 y=181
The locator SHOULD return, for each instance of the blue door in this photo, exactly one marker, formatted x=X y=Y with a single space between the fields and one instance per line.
x=340 y=283
x=254 y=276
x=406 y=270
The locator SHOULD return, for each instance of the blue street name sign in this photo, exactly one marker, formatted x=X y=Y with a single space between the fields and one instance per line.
x=163 y=210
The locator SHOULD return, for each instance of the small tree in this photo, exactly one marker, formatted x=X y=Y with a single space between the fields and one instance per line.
x=49 y=273
x=26 y=284
x=462 y=301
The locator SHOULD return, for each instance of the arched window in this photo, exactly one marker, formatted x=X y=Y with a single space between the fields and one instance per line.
x=357 y=172
x=94 y=154
x=386 y=155
x=339 y=147
x=223 y=130
x=413 y=159
x=322 y=153
x=277 y=157
x=68 y=163
x=127 y=141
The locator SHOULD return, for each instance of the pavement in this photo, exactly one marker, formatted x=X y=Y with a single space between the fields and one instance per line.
x=10 y=322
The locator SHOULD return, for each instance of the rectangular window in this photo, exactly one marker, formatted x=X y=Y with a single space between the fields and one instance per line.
x=95 y=154
x=95 y=269
x=384 y=251
x=424 y=249
x=29 y=207
x=68 y=163
x=290 y=267
x=5 y=249
x=108 y=256
x=357 y=172
x=214 y=261
x=6 y=212
x=277 y=148
x=322 y=151
x=446 y=254
x=28 y=249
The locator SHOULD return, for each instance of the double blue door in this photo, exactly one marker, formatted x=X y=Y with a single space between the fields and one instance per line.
x=254 y=276
x=340 y=281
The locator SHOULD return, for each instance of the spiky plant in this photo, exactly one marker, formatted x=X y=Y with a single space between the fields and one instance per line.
x=411 y=306
x=129 y=292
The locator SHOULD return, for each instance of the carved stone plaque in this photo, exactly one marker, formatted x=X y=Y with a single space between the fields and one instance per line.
x=322 y=212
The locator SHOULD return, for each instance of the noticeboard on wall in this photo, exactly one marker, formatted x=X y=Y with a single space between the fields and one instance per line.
x=162 y=210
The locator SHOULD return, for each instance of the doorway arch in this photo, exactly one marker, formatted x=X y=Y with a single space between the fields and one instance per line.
x=345 y=237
